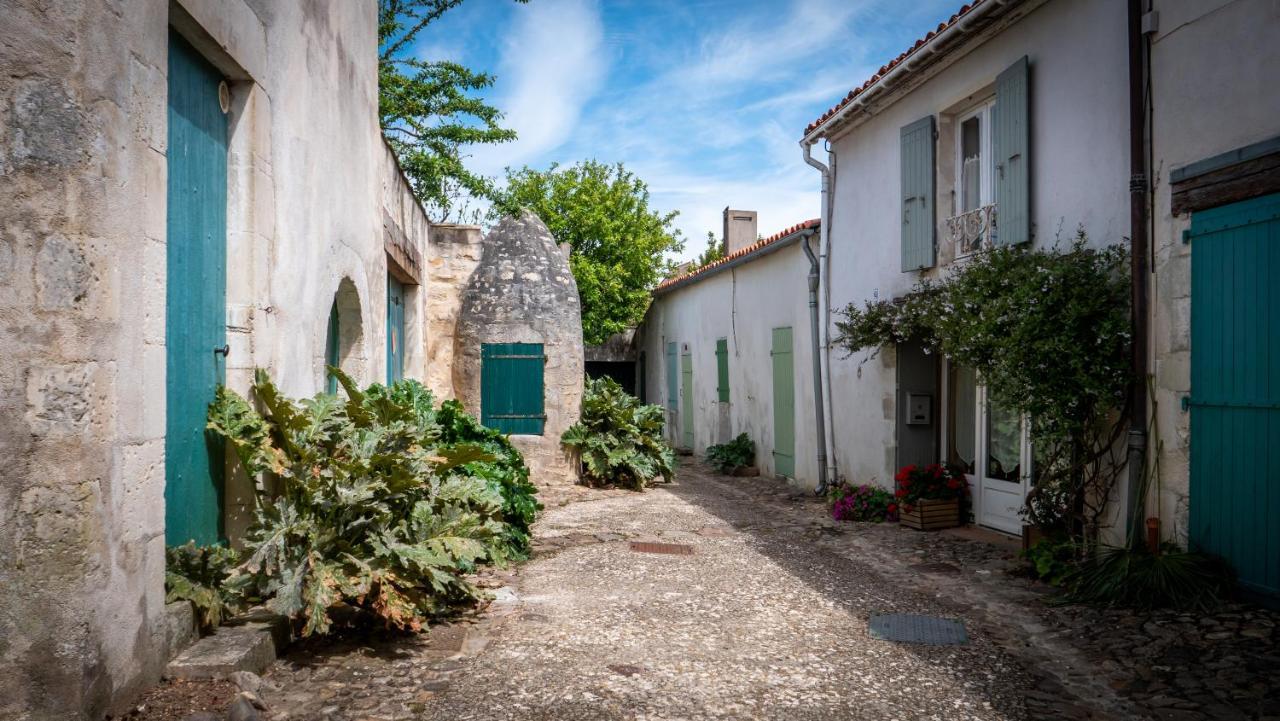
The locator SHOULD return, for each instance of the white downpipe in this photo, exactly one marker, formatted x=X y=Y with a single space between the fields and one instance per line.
x=824 y=246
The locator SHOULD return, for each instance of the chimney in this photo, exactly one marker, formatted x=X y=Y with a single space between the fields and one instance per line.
x=739 y=229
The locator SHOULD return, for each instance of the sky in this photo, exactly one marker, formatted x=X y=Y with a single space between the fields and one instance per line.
x=705 y=100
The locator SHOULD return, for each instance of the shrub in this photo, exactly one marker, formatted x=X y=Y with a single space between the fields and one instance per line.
x=725 y=457
x=1052 y=559
x=620 y=438
x=862 y=503
x=932 y=482
x=375 y=510
x=1138 y=578
x=201 y=575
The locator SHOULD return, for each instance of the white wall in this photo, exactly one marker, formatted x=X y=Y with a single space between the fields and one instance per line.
x=1079 y=174
x=1215 y=66
x=743 y=305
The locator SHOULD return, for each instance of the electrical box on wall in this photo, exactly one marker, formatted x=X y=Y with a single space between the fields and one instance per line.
x=919 y=409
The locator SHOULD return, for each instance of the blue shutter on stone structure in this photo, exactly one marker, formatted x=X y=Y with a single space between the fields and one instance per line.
x=511 y=387
x=195 y=303
x=918 y=218
x=1010 y=146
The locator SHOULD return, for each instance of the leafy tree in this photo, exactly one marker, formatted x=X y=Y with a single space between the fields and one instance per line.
x=427 y=110
x=618 y=242
x=714 y=251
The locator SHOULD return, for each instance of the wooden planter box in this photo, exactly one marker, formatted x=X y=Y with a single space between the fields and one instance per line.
x=931 y=515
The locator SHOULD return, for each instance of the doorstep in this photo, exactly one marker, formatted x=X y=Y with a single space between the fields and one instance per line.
x=249 y=642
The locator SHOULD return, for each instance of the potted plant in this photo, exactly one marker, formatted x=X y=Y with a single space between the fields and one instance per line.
x=929 y=497
x=862 y=503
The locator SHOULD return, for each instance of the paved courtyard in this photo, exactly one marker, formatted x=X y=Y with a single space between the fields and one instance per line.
x=767 y=619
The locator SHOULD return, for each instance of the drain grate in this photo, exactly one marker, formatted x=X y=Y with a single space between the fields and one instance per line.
x=915 y=628
x=675 y=549
x=945 y=568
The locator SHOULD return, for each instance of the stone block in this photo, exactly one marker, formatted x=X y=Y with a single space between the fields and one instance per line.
x=60 y=398
x=180 y=627
x=249 y=643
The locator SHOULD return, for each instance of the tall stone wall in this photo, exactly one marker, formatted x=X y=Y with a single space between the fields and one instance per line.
x=452 y=255
x=523 y=292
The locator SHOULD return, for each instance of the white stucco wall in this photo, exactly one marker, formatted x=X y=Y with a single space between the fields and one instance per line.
x=1079 y=177
x=743 y=305
x=1214 y=70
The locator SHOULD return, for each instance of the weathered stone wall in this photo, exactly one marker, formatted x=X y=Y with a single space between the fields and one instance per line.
x=314 y=198
x=452 y=255
x=523 y=292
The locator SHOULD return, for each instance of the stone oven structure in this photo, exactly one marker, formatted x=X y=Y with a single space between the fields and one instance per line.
x=518 y=353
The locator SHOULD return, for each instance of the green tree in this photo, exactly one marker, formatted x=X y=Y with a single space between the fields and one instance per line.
x=428 y=112
x=618 y=243
x=714 y=251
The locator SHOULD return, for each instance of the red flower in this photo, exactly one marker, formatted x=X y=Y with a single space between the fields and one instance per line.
x=892 y=507
x=953 y=483
x=936 y=470
x=900 y=493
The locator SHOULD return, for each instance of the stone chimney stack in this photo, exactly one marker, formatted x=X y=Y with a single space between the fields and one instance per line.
x=739 y=229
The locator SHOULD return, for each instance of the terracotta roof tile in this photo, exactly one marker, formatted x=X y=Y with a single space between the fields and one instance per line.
x=759 y=244
x=884 y=69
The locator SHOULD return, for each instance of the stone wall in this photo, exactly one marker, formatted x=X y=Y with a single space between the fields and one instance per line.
x=523 y=292
x=453 y=254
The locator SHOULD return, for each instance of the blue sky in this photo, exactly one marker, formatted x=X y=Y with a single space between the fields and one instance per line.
x=705 y=100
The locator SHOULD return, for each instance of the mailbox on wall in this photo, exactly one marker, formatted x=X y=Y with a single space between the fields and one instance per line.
x=919 y=409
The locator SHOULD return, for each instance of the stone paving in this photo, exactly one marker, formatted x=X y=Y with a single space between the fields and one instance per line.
x=767 y=619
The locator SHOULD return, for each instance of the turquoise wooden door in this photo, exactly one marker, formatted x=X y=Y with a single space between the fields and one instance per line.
x=1235 y=388
x=195 y=303
x=784 y=404
x=395 y=330
x=686 y=398
x=511 y=387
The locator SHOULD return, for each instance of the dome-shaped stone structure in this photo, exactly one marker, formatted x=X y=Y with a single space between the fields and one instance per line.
x=519 y=329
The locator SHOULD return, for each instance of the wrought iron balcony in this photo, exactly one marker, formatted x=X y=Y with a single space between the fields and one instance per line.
x=973 y=230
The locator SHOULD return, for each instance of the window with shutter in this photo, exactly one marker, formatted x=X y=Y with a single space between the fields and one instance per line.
x=722 y=369
x=918 y=221
x=511 y=387
x=1011 y=145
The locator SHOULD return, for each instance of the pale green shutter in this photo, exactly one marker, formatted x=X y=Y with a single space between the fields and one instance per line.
x=1011 y=143
x=918 y=221
x=722 y=369
x=673 y=377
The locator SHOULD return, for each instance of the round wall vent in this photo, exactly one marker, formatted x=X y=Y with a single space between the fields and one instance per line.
x=224 y=97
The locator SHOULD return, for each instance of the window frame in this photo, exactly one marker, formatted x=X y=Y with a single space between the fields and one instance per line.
x=986 y=182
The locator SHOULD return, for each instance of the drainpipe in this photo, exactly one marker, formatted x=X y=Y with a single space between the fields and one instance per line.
x=824 y=230
x=1138 y=270
x=819 y=416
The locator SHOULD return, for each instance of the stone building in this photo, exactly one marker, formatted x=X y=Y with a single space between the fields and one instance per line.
x=518 y=353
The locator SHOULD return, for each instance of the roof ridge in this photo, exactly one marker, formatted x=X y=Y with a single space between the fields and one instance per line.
x=747 y=250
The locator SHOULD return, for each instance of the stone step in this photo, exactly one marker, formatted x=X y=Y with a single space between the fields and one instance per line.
x=249 y=642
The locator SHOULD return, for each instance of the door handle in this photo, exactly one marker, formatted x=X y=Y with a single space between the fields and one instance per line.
x=224 y=351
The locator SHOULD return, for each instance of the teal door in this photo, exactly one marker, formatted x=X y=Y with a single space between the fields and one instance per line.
x=784 y=404
x=511 y=387
x=686 y=398
x=1235 y=388
x=395 y=330
x=331 y=355
x=195 y=303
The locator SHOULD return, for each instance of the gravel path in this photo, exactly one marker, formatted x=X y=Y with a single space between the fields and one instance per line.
x=765 y=619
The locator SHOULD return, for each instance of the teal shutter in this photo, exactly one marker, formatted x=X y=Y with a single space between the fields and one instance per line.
x=195 y=301
x=395 y=330
x=511 y=387
x=784 y=404
x=722 y=369
x=1234 y=502
x=1011 y=141
x=331 y=356
x=673 y=378
x=918 y=220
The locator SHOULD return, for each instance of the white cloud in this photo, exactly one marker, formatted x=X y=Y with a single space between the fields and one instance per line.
x=552 y=63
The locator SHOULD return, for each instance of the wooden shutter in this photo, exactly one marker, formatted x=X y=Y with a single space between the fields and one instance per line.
x=722 y=369
x=918 y=221
x=511 y=387
x=673 y=377
x=1011 y=141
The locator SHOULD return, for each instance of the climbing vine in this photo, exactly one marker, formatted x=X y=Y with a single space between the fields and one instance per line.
x=1048 y=333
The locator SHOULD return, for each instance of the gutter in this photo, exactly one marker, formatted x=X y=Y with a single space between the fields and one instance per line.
x=1139 y=245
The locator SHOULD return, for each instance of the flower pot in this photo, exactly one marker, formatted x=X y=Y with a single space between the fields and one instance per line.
x=931 y=515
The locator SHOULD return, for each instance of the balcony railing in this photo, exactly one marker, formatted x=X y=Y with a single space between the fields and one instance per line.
x=973 y=230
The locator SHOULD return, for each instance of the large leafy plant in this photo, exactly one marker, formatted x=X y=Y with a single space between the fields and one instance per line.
x=372 y=510
x=725 y=457
x=620 y=438
x=202 y=576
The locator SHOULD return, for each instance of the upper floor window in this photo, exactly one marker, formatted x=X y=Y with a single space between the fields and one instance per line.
x=974 y=162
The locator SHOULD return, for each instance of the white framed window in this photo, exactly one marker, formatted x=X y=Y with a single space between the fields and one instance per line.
x=973 y=158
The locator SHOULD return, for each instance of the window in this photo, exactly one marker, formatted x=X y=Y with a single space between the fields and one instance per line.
x=973 y=223
x=722 y=369
x=511 y=387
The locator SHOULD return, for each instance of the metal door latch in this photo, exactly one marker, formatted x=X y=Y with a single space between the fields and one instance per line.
x=224 y=351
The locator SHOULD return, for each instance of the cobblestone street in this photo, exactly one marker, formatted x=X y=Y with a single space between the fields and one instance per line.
x=767 y=619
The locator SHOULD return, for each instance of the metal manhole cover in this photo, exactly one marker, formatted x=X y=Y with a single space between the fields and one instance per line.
x=676 y=549
x=946 y=568
x=915 y=628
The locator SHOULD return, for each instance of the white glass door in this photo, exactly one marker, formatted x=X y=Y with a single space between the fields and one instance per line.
x=1002 y=467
